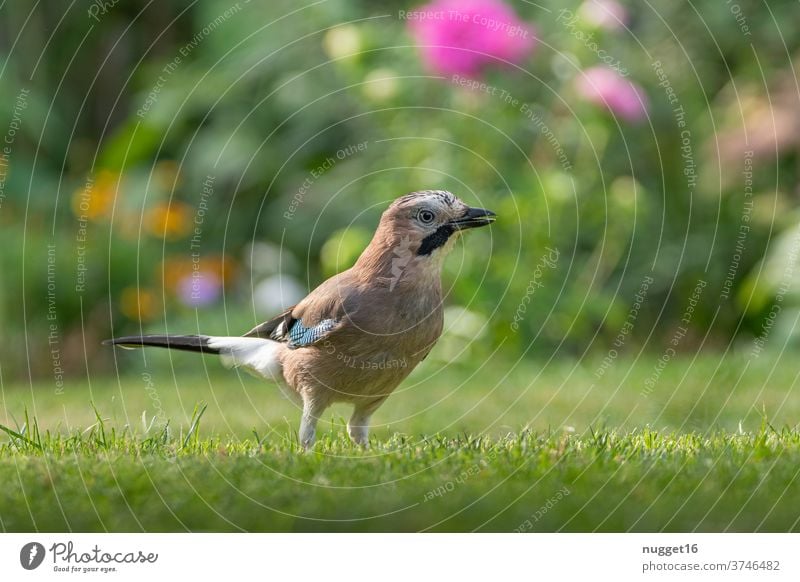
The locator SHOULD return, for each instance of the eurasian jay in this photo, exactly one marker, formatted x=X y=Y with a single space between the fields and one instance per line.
x=358 y=335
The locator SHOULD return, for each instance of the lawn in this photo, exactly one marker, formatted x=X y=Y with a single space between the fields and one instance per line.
x=508 y=447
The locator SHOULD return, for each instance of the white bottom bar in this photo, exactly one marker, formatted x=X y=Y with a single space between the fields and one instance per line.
x=401 y=557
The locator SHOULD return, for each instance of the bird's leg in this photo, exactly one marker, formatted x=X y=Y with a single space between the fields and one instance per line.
x=358 y=428
x=358 y=425
x=312 y=411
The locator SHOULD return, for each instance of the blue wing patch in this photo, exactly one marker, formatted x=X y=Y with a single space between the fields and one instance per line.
x=301 y=336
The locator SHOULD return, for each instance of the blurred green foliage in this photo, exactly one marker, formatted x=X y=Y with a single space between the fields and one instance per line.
x=303 y=120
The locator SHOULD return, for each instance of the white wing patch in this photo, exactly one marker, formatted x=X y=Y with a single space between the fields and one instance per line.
x=256 y=355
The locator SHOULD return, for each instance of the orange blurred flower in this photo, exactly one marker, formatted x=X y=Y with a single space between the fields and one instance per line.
x=171 y=221
x=138 y=304
x=95 y=200
x=175 y=270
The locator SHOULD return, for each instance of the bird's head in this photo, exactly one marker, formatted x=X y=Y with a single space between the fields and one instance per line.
x=415 y=233
x=427 y=221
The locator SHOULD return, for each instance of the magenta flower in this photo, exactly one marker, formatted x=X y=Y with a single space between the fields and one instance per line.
x=463 y=36
x=607 y=88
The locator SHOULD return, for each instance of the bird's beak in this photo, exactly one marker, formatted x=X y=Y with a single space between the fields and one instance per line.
x=474 y=217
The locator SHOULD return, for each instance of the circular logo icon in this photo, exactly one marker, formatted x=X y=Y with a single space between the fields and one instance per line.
x=31 y=555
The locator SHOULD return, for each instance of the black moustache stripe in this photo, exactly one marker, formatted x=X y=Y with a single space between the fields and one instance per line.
x=433 y=241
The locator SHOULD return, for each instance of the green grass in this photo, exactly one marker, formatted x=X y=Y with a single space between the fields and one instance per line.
x=714 y=447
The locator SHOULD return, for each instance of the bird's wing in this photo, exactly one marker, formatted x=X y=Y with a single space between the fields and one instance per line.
x=273 y=327
x=311 y=320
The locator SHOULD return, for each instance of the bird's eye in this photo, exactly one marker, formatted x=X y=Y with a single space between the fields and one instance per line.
x=425 y=216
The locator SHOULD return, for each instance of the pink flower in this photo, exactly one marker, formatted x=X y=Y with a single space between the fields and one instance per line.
x=607 y=88
x=463 y=36
x=607 y=14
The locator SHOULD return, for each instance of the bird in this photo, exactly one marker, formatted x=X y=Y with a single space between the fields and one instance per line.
x=360 y=333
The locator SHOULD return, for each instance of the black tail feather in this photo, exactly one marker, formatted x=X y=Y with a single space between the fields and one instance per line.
x=189 y=343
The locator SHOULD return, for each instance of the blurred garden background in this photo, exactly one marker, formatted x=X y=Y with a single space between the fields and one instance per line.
x=185 y=166
x=620 y=342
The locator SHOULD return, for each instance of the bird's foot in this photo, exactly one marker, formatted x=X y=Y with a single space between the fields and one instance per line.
x=359 y=435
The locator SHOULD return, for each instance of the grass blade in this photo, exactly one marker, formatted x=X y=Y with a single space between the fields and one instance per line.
x=196 y=416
